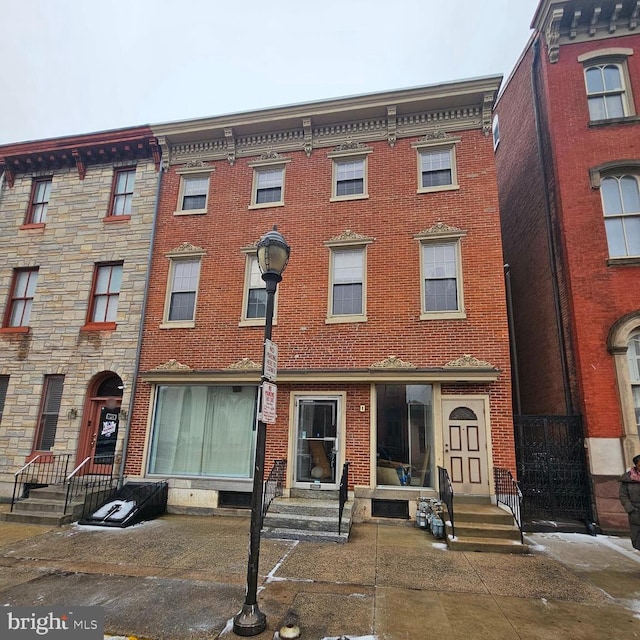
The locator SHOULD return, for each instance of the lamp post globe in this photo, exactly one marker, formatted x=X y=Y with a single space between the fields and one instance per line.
x=273 y=255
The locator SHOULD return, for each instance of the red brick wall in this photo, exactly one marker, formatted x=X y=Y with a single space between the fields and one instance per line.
x=392 y=214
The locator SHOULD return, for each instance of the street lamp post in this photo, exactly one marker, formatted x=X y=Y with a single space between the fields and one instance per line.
x=273 y=255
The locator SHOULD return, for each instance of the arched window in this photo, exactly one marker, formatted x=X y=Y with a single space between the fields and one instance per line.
x=633 y=359
x=605 y=92
x=621 y=205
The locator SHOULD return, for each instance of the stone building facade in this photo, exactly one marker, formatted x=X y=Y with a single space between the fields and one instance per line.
x=390 y=320
x=76 y=222
x=568 y=161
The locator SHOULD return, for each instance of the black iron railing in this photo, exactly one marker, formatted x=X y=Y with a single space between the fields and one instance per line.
x=43 y=470
x=94 y=474
x=273 y=485
x=446 y=496
x=343 y=493
x=508 y=493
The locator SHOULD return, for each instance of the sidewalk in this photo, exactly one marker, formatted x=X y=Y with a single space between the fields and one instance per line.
x=183 y=578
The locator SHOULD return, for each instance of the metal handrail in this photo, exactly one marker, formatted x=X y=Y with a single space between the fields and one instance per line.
x=76 y=484
x=43 y=470
x=445 y=491
x=508 y=493
x=274 y=484
x=343 y=493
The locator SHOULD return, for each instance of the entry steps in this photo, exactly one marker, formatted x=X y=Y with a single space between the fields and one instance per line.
x=311 y=519
x=483 y=527
x=45 y=505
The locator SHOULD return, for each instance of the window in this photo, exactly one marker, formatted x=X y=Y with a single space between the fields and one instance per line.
x=21 y=299
x=633 y=359
x=123 y=182
x=347 y=281
x=255 y=298
x=183 y=290
x=605 y=92
x=4 y=385
x=349 y=177
x=495 y=130
x=436 y=168
x=441 y=272
x=203 y=430
x=49 y=411
x=193 y=194
x=40 y=193
x=105 y=293
x=607 y=81
x=268 y=183
x=621 y=205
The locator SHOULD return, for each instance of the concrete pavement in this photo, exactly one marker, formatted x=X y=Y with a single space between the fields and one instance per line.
x=183 y=578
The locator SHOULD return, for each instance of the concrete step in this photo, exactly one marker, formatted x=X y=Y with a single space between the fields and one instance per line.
x=302 y=522
x=49 y=518
x=487 y=530
x=480 y=513
x=300 y=506
x=38 y=505
x=304 y=534
x=490 y=545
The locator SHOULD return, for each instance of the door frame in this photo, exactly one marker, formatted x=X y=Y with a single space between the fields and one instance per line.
x=341 y=397
x=462 y=400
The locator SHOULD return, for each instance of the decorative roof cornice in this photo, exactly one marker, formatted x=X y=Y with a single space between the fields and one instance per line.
x=469 y=362
x=358 y=120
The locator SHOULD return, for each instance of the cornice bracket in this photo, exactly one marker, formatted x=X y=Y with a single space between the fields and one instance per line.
x=166 y=152
x=8 y=174
x=593 y=27
x=487 y=107
x=155 y=152
x=392 y=125
x=80 y=165
x=308 y=136
x=633 y=18
x=552 y=35
x=614 y=17
x=231 y=145
x=574 y=23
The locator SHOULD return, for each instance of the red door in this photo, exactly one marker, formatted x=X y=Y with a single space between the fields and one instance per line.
x=99 y=434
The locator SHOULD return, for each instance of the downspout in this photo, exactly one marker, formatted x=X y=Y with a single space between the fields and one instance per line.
x=134 y=382
x=515 y=374
x=551 y=243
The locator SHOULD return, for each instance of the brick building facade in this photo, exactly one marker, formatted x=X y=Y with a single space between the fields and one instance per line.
x=568 y=171
x=76 y=222
x=390 y=320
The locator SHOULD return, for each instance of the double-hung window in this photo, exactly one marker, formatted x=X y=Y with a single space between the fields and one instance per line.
x=347 y=278
x=633 y=359
x=49 y=412
x=621 y=204
x=23 y=291
x=122 y=193
x=268 y=181
x=607 y=82
x=350 y=168
x=255 y=292
x=182 y=286
x=193 y=196
x=437 y=164
x=441 y=270
x=105 y=293
x=39 y=203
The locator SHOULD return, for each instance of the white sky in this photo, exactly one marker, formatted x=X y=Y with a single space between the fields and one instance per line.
x=78 y=66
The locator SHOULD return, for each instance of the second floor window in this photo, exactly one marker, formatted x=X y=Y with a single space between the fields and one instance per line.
x=122 y=192
x=106 y=293
x=256 y=291
x=347 y=273
x=183 y=287
x=621 y=204
x=605 y=92
x=440 y=272
x=22 y=292
x=39 y=202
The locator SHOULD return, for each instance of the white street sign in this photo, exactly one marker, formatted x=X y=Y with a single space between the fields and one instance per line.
x=270 y=360
x=269 y=398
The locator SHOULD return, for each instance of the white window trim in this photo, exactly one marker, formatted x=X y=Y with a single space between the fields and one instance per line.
x=437 y=145
x=350 y=154
x=251 y=252
x=257 y=165
x=495 y=131
x=348 y=241
x=615 y=56
x=176 y=256
x=452 y=236
x=197 y=172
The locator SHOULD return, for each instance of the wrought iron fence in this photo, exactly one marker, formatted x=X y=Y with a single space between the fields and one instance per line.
x=43 y=470
x=343 y=493
x=445 y=491
x=508 y=493
x=273 y=485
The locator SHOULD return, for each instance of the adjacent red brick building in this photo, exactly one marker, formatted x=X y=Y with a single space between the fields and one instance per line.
x=568 y=162
x=390 y=320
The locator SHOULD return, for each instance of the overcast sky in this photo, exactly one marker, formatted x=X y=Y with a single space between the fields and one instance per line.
x=79 y=66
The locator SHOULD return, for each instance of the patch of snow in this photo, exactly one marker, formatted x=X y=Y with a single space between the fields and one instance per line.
x=439 y=545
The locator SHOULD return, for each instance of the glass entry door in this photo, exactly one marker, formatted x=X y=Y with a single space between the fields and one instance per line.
x=316 y=444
